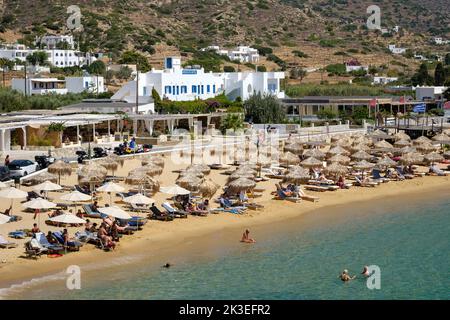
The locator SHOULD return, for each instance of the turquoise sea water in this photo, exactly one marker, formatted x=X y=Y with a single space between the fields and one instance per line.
x=299 y=260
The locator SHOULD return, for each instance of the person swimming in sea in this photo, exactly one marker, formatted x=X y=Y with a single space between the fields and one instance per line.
x=167 y=265
x=246 y=238
x=365 y=271
x=345 y=277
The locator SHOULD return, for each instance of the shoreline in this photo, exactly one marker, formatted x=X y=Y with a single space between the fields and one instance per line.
x=167 y=237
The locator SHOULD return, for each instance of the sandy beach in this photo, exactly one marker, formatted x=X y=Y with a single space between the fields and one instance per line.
x=158 y=236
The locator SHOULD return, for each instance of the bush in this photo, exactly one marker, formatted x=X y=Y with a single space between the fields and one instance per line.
x=336 y=69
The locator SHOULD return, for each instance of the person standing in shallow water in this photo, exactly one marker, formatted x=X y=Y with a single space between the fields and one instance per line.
x=345 y=277
x=246 y=238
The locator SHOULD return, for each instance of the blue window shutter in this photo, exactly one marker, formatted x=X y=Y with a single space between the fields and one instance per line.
x=214 y=88
x=194 y=89
x=208 y=88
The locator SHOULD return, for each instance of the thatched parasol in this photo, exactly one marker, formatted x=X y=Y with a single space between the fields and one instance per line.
x=208 y=188
x=315 y=143
x=425 y=147
x=288 y=158
x=408 y=150
x=421 y=139
x=361 y=155
x=336 y=169
x=108 y=164
x=92 y=169
x=60 y=168
x=297 y=175
x=153 y=159
x=401 y=136
x=141 y=179
x=203 y=168
x=42 y=177
x=386 y=162
x=433 y=157
x=241 y=184
x=191 y=183
x=236 y=175
x=315 y=153
x=150 y=169
x=363 y=165
x=360 y=147
x=337 y=150
x=402 y=143
x=191 y=172
x=383 y=144
x=441 y=138
x=295 y=148
x=311 y=163
x=91 y=180
x=378 y=134
x=412 y=158
x=339 y=158
x=116 y=158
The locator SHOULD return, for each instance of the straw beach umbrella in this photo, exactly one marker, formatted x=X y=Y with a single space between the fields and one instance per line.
x=386 y=162
x=337 y=150
x=153 y=159
x=3 y=185
x=203 y=168
x=378 y=134
x=142 y=180
x=412 y=158
x=151 y=169
x=402 y=136
x=288 y=158
x=297 y=175
x=191 y=172
x=408 y=150
x=43 y=177
x=339 y=158
x=311 y=163
x=109 y=164
x=363 y=165
x=241 y=184
x=336 y=169
x=60 y=168
x=433 y=157
x=236 y=175
x=295 y=148
x=425 y=147
x=360 y=147
x=191 y=183
x=361 y=155
x=315 y=153
x=402 y=143
x=208 y=188
x=421 y=139
x=383 y=144
x=441 y=138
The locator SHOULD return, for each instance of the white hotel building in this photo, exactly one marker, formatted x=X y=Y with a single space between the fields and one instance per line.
x=185 y=84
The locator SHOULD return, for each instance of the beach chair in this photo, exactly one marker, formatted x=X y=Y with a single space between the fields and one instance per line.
x=91 y=213
x=33 y=249
x=402 y=174
x=18 y=234
x=139 y=207
x=435 y=170
x=71 y=245
x=361 y=183
x=5 y=244
x=281 y=195
x=307 y=197
x=376 y=175
x=316 y=188
x=32 y=195
x=172 y=211
x=42 y=240
x=158 y=215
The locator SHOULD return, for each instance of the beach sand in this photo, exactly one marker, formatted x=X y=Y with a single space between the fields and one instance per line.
x=157 y=237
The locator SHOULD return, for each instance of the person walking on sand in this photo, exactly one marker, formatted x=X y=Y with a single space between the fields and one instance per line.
x=345 y=277
x=246 y=238
x=7 y=161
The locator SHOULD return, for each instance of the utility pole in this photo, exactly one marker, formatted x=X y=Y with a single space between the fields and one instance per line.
x=25 y=74
x=137 y=86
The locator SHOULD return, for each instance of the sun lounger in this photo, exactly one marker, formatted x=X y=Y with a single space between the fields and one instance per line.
x=42 y=240
x=33 y=249
x=376 y=175
x=361 y=183
x=91 y=213
x=316 y=188
x=71 y=245
x=171 y=210
x=158 y=215
x=139 y=207
x=307 y=197
x=436 y=171
x=281 y=195
x=79 y=189
x=404 y=175
x=5 y=244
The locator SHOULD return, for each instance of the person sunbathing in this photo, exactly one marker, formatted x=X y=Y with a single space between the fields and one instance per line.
x=103 y=235
x=8 y=211
x=87 y=225
x=345 y=277
x=204 y=206
x=51 y=239
x=35 y=229
x=246 y=238
x=94 y=206
x=93 y=229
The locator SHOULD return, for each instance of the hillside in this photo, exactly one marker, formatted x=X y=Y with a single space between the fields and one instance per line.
x=324 y=31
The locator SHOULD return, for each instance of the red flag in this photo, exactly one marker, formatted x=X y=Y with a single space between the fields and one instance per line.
x=402 y=100
x=447 y=105
x=373 y=103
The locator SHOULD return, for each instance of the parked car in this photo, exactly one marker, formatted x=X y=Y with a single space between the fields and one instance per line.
x=21 y=168
x=4 y=173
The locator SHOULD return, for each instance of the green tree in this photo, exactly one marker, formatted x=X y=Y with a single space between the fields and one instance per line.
x=231 y=121
x=124 y=73
x=297 y=73
x=97 y=67
x=447 y=59
x=422 y=77
x=327 y=113
x=157 y=100
x=133 y=57
x=264 y=109
x=228 y=69
x=37 y=58
x=439 y=74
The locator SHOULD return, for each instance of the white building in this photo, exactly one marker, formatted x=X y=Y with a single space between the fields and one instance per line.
x=354 y=65
x=57 y=58
x=244 y=54
x=52 y=41
x=384 y=80
x=112 y=106
x=393 y=49
x=186 y=84
x=40 y=86
x=93 y=84
x=430 y=93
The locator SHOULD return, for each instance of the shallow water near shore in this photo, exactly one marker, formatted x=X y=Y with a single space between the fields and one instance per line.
x=295 y=259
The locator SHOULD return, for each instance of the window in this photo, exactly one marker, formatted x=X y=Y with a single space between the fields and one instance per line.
x=194 y=89
x=202 y=89
x=167 y=89
x=272 y=87
x=183 y=89
x=208 y=88
x=56 y=54
x=178 y=90
x=86 y=84
x=173 y=89
x=214 y=88
x=144 y=91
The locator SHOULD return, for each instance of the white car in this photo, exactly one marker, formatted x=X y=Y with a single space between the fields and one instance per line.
x=21 y=168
